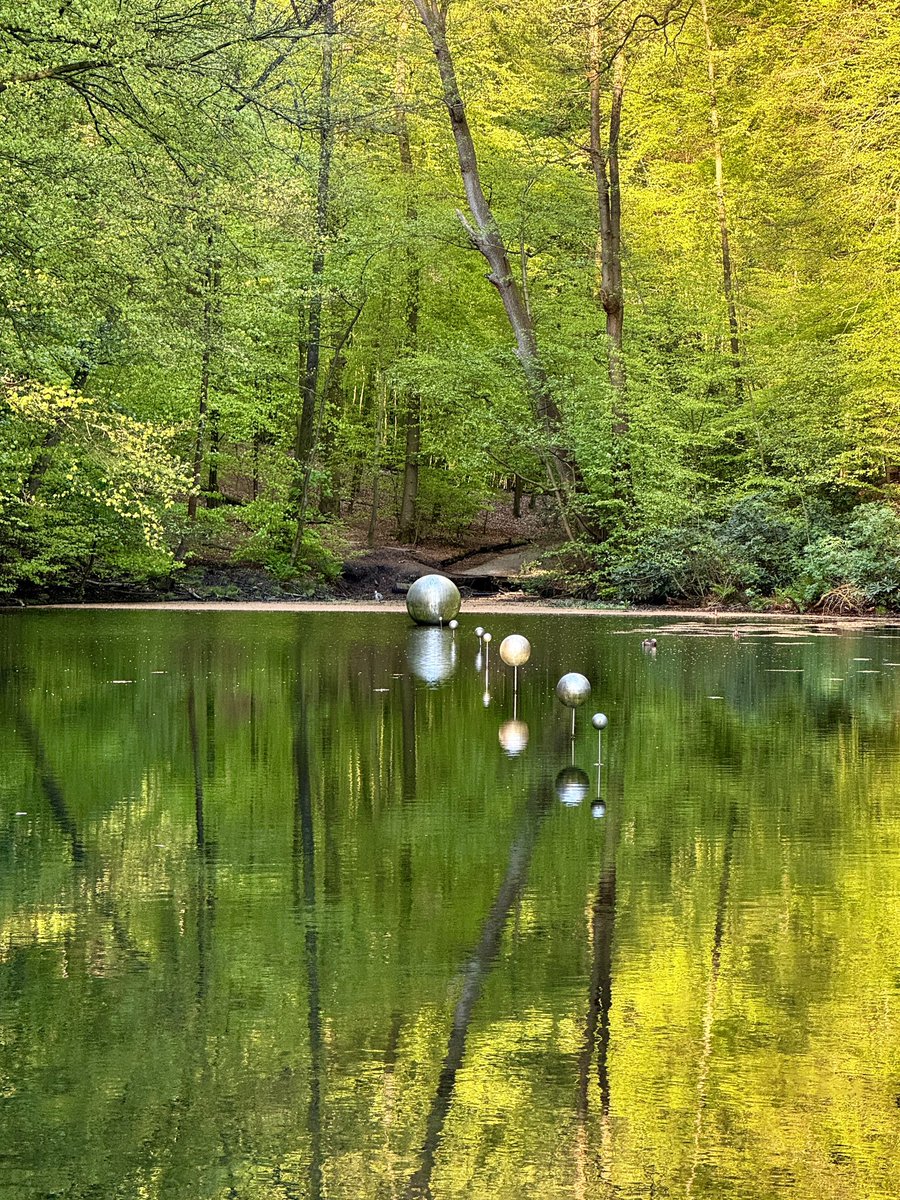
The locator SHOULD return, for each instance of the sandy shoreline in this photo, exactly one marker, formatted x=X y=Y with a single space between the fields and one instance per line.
x=486 y=607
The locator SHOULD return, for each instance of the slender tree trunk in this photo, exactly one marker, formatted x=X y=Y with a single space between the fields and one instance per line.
x=727 y=275
x=212 y=273
x=413 y=406
x=604 y=156
x=212 y=478
x=310 y=346
x=484 y=233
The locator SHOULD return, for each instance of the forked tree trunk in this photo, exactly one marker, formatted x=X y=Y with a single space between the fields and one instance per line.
x=604 y=155
x=484 y=233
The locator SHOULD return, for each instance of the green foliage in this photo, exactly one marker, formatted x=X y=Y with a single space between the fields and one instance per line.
x=86 y=492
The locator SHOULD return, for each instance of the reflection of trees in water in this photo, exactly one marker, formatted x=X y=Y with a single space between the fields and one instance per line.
x=474 y=973
x=305 y=904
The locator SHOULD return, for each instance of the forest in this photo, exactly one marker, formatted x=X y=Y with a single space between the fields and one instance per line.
x=283 y=279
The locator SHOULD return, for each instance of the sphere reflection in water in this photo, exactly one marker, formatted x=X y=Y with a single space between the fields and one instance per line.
x=598 y=809
x=433 y=600
x=431 y=654
x=572 y=786
x=513 y=737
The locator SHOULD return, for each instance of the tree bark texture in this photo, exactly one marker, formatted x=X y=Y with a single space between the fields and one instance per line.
x=486 y=237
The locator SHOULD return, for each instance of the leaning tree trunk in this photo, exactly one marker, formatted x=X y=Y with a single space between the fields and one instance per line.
x=727 y=275
x=484 y=233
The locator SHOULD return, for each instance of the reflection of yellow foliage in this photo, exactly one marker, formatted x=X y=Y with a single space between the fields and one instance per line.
x=47 y=926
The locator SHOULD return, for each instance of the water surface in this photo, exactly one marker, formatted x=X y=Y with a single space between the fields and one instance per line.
x=280 y=916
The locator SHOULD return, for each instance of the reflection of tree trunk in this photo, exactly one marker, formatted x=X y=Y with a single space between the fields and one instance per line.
x=718 y=937
x=409 y=755
x=305 y=866
x=66 y=823
x=474 y=974
x=597 y=1023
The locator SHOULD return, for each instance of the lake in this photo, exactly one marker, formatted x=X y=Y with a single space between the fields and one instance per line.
x=289 y=908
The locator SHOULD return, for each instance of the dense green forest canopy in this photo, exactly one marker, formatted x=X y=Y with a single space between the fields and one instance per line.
x=276 y=275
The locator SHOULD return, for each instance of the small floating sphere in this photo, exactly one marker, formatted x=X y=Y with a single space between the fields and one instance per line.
x=572 y=785
x=479 y=632
x=454 y=624
x=487 y=639
x=573 y=689
x=433 y=600
x=513 y=737
x=515 y=650
x=599 y=720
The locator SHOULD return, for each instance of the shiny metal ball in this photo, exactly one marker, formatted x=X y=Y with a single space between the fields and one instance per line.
x=454 y=624
x=479 y=632
x=487 y=639
x=599 y=720
x=433 y=600
x=513 y=737
x=573 y=689
x=515 y=650
x=572 y=785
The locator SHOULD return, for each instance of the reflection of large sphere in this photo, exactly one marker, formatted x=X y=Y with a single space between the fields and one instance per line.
x=573 y=689
x=431 y=654
x=572 y=786
x=513 y=737
x=515 y=650
x=433 y=600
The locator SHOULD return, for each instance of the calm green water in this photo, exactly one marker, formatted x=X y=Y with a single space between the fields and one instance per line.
x=280 y=917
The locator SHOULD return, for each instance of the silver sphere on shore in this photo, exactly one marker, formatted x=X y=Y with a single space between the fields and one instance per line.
x=599 y=720
x=572 y=786
x=433 y=600
x=515 y=650
x=573 y=689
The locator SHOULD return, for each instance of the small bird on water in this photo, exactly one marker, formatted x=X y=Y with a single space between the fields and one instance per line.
x=649 y=644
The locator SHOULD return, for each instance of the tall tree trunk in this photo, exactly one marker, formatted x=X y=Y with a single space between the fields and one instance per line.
x=310 y=347
x=608 y=254
x=484 y=233
x=413 y=406
x=211 y=281
x=727 y=276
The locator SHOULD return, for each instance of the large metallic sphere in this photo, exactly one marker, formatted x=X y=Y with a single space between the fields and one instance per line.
x=433 y=600
x=431 y=654
x=513 y=737
x=515 y=650
x=573 y=689
x=599 y=720
x=572 y=786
